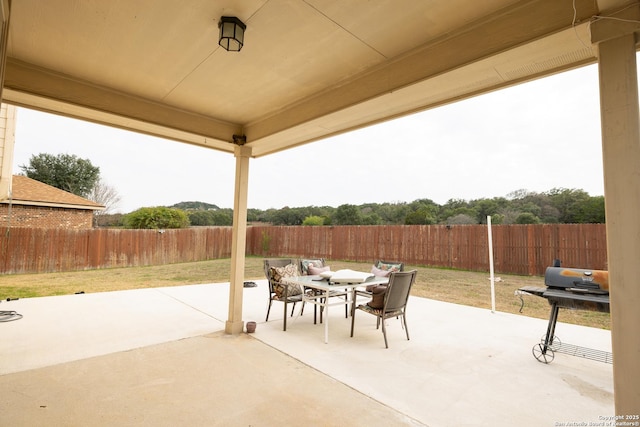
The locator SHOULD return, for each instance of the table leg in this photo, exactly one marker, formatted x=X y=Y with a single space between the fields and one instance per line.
x=284 y=323
x=326 y=318
x=353 y=301
x=286 y=298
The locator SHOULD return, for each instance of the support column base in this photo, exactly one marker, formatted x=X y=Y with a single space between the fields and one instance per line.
x=233 y=328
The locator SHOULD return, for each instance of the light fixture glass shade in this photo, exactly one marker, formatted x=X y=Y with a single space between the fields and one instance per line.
x=231 y=33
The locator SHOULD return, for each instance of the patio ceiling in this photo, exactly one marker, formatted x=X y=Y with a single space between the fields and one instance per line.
x=309 y=69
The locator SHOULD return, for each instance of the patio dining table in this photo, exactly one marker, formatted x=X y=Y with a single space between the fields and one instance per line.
x=329 y=287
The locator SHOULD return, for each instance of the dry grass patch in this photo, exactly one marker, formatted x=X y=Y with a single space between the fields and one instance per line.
x=459 y=287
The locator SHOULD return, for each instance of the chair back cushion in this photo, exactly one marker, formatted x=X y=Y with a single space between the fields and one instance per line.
x=305 y=263
x=277 y=262
x=316 y=271
x=278 y=269
x=377 y=295
x=279 y=273
x=384 y=268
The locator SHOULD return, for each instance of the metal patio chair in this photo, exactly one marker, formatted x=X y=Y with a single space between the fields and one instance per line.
x=279 y=291
x=395 y=302
x=382 y=265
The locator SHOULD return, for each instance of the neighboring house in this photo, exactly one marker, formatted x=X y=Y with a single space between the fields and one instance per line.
x=38 y=205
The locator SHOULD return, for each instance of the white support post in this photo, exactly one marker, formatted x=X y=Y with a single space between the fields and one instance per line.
x=493 y=280
x=235 y=325
x=616 y=40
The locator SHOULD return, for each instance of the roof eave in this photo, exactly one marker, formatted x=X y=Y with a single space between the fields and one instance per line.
x=53 y=205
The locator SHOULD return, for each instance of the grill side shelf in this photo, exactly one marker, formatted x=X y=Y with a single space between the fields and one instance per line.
x=529 y=290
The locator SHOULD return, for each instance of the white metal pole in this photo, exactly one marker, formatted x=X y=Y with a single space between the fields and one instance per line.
x=493 y=281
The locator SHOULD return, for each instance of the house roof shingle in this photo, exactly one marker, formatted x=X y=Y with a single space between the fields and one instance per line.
x=27 y=191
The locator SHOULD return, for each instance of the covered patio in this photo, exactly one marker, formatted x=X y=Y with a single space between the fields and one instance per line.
x=312 y=69
x=160 y=357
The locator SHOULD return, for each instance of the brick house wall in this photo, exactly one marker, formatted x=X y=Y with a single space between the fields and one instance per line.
x=34 y=204
x=45 y=217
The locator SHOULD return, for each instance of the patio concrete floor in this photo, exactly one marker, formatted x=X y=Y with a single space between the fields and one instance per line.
x=159 y=357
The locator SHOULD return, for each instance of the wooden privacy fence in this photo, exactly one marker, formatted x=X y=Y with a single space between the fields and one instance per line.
x=38 y=250
x=518 y=249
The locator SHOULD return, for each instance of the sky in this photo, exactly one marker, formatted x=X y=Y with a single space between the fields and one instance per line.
x=535 y=136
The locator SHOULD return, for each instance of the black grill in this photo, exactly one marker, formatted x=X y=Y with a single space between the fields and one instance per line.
x=575 y=289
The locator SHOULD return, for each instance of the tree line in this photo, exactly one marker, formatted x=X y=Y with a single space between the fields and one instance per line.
x=558 y=205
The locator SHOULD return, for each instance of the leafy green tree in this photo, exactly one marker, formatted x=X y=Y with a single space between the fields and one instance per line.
x=64 y=171
x=212 y=217
x=422 y=216
x=156 y=218
x=568 y=202
x=454 y=204
x=484 y=208
x=532 y=208
x=392 y=213
x=538 y=204
x=549 y=214
x=253 y=215
x=591 y=211
x=223 y=217
x=313 y=220
x=371 y=218
x=288 y=216
x=347 y=215
x=201 y=218
x=455 y=207
x=517 y=211
x=422 y=211
x=369 y=215
x=187 y=206
x=497 y=219
x=527 y=218
x=323 y=211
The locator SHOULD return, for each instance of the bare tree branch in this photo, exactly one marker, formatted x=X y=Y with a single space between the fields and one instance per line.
x=105 y=195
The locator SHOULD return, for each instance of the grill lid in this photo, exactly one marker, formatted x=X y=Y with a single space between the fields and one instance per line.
x=577 y=280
